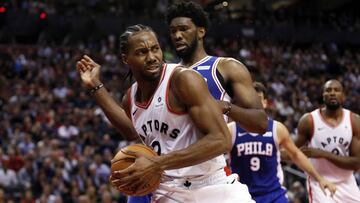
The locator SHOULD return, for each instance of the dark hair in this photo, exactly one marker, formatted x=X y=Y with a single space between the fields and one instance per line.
x=188 y=9
x=260 y=88
x=131 y=30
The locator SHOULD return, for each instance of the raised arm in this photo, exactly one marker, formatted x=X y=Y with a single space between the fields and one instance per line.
x=298 y=157
x=246 y=106
x=90 y=76
x=191 y=90
x=351 y=162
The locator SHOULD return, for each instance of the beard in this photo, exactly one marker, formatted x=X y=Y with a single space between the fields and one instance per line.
x=332 y=106
x=188 y=52
x=155 y=76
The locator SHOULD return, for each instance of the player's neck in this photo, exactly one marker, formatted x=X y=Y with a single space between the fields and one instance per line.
x=146 y=89
x=330 y=113
x=198 y=54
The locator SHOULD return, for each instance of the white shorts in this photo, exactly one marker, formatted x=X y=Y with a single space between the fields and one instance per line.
x=226 y=190
x=346 y=192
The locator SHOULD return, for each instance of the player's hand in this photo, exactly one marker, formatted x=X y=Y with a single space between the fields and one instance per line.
x=89 y=71
x=312 y=152
x=137 y=175
x=326 y=185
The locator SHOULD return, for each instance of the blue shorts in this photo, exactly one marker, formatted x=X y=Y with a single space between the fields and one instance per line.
x=139 y=199
x=271 y=198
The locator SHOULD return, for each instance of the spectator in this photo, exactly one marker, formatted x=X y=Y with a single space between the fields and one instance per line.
x=8 y=177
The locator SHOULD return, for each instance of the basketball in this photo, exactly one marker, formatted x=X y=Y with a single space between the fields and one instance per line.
x=123 y=160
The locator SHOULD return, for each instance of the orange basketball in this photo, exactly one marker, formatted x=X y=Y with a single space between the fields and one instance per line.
x=123 y=160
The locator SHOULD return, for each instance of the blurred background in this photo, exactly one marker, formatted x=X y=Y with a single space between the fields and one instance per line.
x=56 y=144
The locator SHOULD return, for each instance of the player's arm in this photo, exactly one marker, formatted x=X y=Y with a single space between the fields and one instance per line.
x=298 y=157
x=90 y=71
x=190 y=89
x=351 y=162
x=305 y=130
x=246 y=106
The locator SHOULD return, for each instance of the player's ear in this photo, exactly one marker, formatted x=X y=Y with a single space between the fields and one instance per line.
x=201 y=32
x=124 y=58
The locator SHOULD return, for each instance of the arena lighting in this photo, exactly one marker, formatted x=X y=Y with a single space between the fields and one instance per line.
x=43 y=16
x=2 y=9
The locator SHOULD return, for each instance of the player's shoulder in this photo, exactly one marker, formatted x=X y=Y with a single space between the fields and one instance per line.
x=174 y=66
x=233 y=69
x=306 y=121
x=182 y=74
x=279 y=126
x=229 y=61
x=308 y=116
x=355 y=118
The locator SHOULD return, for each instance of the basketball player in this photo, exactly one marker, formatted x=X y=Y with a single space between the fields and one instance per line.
x=172 y=111
x=331 y=135
x=227 y=79
x=257 y=159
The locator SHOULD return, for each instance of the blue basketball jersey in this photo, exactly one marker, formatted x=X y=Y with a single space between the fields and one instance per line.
x=207 y=67
x=256 y=159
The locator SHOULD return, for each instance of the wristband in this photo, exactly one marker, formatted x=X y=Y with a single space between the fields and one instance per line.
x=96 y=88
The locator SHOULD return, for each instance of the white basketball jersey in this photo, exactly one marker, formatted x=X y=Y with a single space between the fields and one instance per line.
x=334 y=139
x=166 y=130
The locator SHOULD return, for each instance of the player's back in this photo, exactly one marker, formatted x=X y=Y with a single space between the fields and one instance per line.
x=334 y=139
x=256 y=159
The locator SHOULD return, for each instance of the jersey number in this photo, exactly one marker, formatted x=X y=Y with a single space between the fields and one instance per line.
x=255 y=163
x=156 y=146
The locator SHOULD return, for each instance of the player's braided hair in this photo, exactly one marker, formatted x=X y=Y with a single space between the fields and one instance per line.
x=131 y=30
x=188 y=9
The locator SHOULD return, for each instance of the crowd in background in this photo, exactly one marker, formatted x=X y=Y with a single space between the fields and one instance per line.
x=256 y=12
x=56 y=143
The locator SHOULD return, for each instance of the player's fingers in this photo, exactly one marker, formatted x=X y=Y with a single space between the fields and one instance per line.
x=332 y=189
x=132 y=153
x=118 y=174
x=116 y=182
x=125 y=173
x=323 y=189
x=80 y=66
x=89 y=65
x=136 y=184
x=86 y=63
x=88 y=59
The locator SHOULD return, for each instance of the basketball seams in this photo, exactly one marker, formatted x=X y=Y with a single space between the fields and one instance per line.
x=124 y=159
